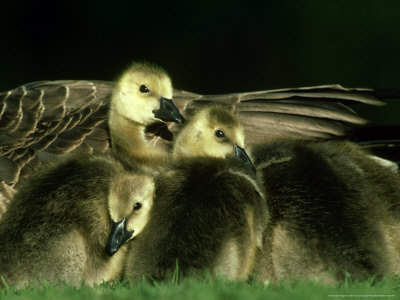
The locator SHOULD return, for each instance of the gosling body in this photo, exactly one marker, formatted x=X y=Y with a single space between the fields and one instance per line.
x=334 y=211
x=207 y=216
x=58 y=226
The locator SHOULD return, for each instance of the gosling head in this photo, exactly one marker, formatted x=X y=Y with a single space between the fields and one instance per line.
x=143 y=95
x=129 y=202
x=213 y=131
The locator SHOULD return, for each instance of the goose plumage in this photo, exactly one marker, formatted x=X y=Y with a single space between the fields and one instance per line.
x=70 y=221
x=48 y=120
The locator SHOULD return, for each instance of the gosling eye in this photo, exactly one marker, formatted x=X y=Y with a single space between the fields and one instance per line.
x=144 y=89
x=219 y=133
x=137 y=206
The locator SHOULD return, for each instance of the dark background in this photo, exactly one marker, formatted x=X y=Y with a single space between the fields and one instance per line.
x=208 y=47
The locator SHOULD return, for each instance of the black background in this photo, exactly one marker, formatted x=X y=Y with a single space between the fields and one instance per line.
x=208 y=47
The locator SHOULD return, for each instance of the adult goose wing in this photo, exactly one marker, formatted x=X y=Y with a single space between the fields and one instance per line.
x=300 y=113
x=45 y=120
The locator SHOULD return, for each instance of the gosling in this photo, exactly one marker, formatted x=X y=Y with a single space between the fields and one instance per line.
x=335 y=210
x=70 y=222
x=208 y=213
x=141 y=97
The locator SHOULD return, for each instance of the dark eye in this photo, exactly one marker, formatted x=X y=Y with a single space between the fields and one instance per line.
x=144 y=89
x=137 y=206
x=219 y=133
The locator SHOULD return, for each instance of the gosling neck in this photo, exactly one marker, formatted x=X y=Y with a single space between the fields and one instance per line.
x=128 y=140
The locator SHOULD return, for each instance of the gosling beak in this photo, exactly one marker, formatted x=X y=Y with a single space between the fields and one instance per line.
x=168 y=112
x=119 y=235
x=242 y=155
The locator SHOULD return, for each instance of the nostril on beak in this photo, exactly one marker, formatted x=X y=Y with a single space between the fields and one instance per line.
x=119 y=237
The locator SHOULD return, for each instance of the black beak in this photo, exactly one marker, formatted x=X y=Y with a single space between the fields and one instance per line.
x=168 y=112
x=119 y=235
x=242 y=155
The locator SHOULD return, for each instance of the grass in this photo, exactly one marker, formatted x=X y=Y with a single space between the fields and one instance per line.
x=193 y=289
